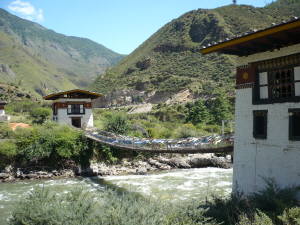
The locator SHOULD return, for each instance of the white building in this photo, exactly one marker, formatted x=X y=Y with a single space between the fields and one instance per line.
x=73 y=107
x=267 y=110
x=3 y=116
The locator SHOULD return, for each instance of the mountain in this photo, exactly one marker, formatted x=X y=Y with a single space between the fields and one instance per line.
x=169 y=64
x=43 y=61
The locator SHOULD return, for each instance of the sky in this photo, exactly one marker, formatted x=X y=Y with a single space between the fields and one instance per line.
x=120 y=25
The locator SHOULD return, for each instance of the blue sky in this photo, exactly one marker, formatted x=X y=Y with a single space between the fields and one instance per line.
x=121 y=25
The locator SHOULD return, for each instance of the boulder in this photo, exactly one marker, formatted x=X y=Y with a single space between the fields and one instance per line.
x=55 y=173
x=4 y=175
x=89 y=172
x=141 y=171
x=200 y=162
x=179 y=163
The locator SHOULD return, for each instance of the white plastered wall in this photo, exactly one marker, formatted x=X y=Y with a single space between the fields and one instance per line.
x=62 y=117
x=275 y=157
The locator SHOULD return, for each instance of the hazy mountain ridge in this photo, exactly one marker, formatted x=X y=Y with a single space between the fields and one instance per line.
x=170 y=61
x=43 y=61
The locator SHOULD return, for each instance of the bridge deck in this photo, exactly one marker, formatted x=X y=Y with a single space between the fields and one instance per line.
x=165 y=148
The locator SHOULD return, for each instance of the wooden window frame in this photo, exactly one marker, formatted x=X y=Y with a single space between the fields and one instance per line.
x=271 y=79
x=292 y=124
x=269 y=66
x=270 y=100
x=265 y=135
x=73 y=111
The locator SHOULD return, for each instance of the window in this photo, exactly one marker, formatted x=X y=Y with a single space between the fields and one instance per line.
x=277 y=80
x=281 y=83
x=260 y=122
x=76 y=109
x=294 y=124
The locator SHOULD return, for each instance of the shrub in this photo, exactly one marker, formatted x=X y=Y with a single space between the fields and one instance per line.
x=291 y=216
x=5 y=131
x=8 y=151
x=117 y=123
x=260 y=218
x=108 y=154
x=51 y=140
x=261 y=208
x=21 y=106
x=212 y=128
x=45 y=207
x=159 y=132
x=185 y=131
x=274 y=200
x=8 y=148
x=106 y=208
x=40 y=114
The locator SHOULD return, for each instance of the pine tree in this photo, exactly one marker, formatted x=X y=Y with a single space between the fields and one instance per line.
x=221 y=109
x=197 y=112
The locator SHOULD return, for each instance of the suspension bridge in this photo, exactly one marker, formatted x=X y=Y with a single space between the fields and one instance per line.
x=183 y=146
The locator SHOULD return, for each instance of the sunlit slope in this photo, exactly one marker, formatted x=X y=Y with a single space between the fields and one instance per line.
x=170 y=61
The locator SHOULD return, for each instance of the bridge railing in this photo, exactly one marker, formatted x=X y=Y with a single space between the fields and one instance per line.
x=159 y=144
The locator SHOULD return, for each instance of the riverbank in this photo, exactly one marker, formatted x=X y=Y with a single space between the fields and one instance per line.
x=172 y=186
x=184 y=196
x=126 y=166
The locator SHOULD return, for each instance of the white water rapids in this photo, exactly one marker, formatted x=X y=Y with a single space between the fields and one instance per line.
x=175 y=185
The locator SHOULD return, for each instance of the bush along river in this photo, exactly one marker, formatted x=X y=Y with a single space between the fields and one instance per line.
x=174 y=185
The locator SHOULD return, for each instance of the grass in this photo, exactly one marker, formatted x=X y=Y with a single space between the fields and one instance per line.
x=272 y=206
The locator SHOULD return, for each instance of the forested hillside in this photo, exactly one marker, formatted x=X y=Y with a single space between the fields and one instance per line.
x=170 y=62
x=43 y=61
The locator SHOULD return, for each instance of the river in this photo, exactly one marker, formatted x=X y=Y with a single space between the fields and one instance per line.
x=169 y=186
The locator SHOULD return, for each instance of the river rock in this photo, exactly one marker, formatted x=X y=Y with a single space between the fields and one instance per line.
x=46 y=176
x=179 y=163
x=141 y=171
x=8 y=169
x=200 y=162
x=89 y=172
x=67 y=173
x=4 y=175
x=31 y=175
x=42 y=173
x=159 y=165
x=221 y=163
x=127 y=163
x=55 y=173
x=19 y=173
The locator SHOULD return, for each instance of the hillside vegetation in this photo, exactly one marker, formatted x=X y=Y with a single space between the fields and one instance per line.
x=170 y=60
x=44 y=61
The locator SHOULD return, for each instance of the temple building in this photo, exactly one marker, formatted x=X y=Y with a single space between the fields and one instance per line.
x=267 y=109
x=3 y=116
x=73 y=107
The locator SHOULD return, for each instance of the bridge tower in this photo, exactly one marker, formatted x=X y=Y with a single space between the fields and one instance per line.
x=73 y=107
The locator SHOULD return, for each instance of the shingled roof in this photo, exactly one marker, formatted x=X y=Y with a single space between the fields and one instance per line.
x=74 y=92
x=274 y=37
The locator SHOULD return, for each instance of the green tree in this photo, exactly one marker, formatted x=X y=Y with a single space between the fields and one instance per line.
x=221 y=109
x=40 y=115
x=197 y=112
